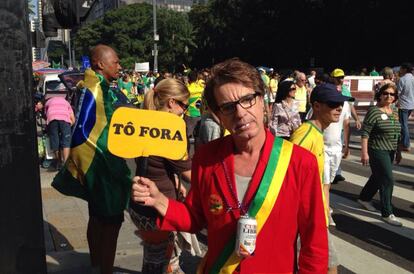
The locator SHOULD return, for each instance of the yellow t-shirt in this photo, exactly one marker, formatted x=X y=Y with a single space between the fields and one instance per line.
x=301 y=96
x=311 y=137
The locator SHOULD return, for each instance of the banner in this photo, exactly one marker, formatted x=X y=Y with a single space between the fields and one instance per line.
x=142 y=133
x=142 y=67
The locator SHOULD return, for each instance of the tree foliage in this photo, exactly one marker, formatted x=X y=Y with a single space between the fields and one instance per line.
x=129 y=30
x=291 y=33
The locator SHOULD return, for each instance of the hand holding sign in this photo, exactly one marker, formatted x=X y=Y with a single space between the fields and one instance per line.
x=136 y=133
x=145 y=192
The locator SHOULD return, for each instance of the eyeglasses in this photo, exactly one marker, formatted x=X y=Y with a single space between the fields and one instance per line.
x=292 y=89
x=334 y=104
x=182 y=105
x=388 y=93
x=245 y=102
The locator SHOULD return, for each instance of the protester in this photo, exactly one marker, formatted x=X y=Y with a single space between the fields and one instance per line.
x=373 y=72
x=285 y=111
x=231 y=177
x=273 y=83
x=327 y=105
x=338 y=76
x=91 y=171
x=405 y=103
x=380 y=136
x=301 y=93
x=161 y=248
x=210 y=129
x=125 y=85
x=59 y=119
x=193 y=115
x=335 y=145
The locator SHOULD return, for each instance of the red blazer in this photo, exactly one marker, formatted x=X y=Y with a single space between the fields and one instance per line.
x=298 y=209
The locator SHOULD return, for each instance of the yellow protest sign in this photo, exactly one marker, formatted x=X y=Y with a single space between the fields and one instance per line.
x=136 y=132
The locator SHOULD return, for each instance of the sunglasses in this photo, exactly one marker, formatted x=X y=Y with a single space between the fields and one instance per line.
x=292 y=89
x=245 y=102
x=182 y=105
x=334 y=104
x=388 y=93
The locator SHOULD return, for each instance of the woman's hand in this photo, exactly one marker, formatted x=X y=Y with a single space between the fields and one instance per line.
x=364 y=159
x=398 y=157
x=345 y=152
x=145 y=191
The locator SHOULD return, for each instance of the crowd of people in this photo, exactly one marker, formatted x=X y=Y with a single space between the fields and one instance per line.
x=266 y=147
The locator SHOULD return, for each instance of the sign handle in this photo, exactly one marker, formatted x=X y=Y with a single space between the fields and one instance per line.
x=142 y=168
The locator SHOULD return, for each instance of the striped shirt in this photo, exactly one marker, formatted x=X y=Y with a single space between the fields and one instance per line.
x=381 y=129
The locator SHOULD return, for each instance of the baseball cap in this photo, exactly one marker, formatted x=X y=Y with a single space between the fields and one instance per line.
x=338 y=73
x=328 y=93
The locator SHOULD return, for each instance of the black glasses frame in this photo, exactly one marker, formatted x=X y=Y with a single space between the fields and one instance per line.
x=245 y=102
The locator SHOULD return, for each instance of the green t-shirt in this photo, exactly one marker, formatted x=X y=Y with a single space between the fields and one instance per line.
x=345 y=91
x=127 y=86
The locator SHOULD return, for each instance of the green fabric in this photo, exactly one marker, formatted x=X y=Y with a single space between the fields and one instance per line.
x=196 y=91
x=374 y=73
x=382 y=130
x=345 y=91
x=127 y=86
x=106 y=184
x=381 y=163
x=256 y=204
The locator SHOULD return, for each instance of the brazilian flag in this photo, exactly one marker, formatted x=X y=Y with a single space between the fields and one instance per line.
x=92 y=172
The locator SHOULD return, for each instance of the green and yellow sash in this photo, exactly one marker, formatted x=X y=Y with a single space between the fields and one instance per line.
x=262 y=204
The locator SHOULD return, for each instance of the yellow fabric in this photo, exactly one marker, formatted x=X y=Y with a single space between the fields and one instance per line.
x=301 y=97
x=267 y=206
x=196 y=89
x=310 y=137
x=83 y=154
x=273 y=85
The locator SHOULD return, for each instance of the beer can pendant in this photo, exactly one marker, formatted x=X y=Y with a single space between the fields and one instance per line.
x=246 y=235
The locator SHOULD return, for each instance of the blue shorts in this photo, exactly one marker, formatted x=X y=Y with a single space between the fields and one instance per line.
x=59 y=134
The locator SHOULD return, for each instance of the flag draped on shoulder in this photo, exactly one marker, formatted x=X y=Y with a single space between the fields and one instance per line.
x=91 y=171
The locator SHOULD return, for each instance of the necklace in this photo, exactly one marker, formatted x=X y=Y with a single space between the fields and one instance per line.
x=243 y=208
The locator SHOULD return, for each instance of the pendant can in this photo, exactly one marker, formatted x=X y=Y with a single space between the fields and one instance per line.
x=246 y=235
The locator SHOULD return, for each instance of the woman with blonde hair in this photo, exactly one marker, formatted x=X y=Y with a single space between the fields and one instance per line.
x=161 y=249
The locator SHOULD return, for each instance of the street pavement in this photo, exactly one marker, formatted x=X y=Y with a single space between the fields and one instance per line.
x=65 y=225
x=364 y=242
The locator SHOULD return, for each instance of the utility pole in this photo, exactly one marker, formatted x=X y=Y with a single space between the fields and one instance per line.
x=156 y=37
x=67 y=32
x=22 y=248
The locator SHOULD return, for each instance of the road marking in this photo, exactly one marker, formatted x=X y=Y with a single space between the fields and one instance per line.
x=355 y=210
x=404 y=171
x=399 y=192
x=405 y=155
x=355 y=259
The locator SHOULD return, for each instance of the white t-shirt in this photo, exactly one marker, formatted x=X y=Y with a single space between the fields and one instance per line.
x=332 y=135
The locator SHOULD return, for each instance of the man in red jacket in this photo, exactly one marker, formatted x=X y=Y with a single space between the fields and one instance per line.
x=248 y=173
